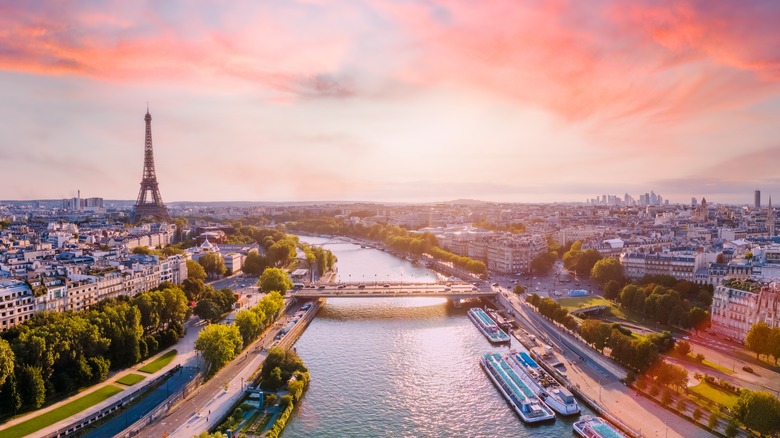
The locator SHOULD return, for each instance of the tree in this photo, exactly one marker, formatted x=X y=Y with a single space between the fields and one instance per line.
x=275 y=279
x=586 y=262
x=143 y=250
x=255 y=263
x=274 y=380
x=219 y=344
x=606 y=270
x=519 y=289
x=544 y=262
x=697 y=414
x=758 y=410
x=773 y=344
x=7 y=359
x=731 y=429
x=249 y=325
x=683 y=347
x=195 y=271
x=213 y=264
x=757 y=338
x=11 y=400
x=31 y=386
x=611 y=289
x=208 y=310
x=714 y=420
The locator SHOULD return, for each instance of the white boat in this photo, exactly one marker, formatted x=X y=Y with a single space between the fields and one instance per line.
x=544 y=385
x=596 y=427
x=487 y=326
x=517 y=394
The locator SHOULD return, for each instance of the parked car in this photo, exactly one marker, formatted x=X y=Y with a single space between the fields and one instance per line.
x=747 y=368
x=361 y=286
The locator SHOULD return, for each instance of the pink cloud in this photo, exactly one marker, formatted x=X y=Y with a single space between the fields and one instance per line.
x=584 y=59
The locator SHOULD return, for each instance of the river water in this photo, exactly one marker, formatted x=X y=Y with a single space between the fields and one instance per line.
x=406 y=367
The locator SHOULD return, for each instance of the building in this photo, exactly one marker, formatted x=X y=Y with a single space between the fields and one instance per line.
x=737 y=306
x=682 y=265
x=757 y=200
x=17 y=303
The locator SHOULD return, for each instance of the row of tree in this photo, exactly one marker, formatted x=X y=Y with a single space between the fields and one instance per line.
x=212 y=304
x=398 y=238
x=761 y=339
x=579 y=261
x=636 y=354
x=56 y=352
x=221 y=343
x=551 y=309
x=324 y=259
x=663 y=305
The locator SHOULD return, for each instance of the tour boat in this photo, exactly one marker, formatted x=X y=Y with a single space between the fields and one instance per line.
x=543 y=384
x=517 y=394
x=487 y=326
x=596 y=427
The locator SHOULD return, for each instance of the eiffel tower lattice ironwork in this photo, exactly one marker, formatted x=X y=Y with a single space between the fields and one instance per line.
x=149 y=203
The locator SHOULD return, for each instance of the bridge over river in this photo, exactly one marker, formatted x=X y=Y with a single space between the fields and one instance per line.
x=451 y=290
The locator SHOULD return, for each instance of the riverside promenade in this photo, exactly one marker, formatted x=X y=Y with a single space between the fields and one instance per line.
x=216 y=398
x=599 y=382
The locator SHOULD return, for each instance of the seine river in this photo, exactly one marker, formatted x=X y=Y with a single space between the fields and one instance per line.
x=407 y=367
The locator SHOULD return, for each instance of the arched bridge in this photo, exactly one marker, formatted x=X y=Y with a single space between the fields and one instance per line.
x=450 y=290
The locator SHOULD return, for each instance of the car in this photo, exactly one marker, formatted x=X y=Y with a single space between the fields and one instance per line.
x=361 y=286
x=495 y=284
x=321 y=287
x=385 y=285
x=747 y=368
x=341 y=286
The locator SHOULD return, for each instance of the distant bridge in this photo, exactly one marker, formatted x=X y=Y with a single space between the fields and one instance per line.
x=451 y=290
x=335 y=240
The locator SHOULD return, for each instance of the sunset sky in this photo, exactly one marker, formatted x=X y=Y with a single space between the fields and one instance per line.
x=501 y=100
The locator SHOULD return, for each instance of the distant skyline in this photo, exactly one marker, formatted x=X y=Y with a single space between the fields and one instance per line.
x=392 y=101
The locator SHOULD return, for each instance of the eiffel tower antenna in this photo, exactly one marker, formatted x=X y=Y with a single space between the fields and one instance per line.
x=149 y=203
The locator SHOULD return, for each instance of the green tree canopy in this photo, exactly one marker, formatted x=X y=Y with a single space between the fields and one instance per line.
x=274 y=279
x=219 y=344
x=213 y=264
x=608 y=269
x=519 y=289
x=758 y=410
x=249 y=325
x=757 y=339
x=195 y=271
x=7 y=360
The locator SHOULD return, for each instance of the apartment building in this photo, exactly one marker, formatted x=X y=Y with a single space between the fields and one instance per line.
x=735 y=308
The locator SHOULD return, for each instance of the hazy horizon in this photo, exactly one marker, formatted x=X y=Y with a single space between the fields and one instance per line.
x=376 y=101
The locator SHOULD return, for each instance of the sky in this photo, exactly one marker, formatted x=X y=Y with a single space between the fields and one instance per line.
x=391 y=100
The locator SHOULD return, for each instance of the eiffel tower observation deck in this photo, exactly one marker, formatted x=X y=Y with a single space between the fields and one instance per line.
x=149 y=204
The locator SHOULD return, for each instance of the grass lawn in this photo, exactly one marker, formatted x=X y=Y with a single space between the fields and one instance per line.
x=130 y=379
x=576 y=303
x=159 y=363
x=36 y=423
x=717 y=395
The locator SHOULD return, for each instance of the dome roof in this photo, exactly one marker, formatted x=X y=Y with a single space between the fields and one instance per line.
x=206 y=244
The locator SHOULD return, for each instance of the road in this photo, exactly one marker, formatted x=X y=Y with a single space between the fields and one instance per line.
x=215 y=397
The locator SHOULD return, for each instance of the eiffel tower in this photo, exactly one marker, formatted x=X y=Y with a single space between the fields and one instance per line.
x=154 y=207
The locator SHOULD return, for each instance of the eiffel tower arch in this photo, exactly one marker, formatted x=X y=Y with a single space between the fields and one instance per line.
x=149 y=204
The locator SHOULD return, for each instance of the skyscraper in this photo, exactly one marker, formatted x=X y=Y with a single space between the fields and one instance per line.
x=757 y=200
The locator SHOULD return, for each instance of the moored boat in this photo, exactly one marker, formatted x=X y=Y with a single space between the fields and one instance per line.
x=487 y=326
x=517 y=394
x=596 y=427
x=544 y=385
